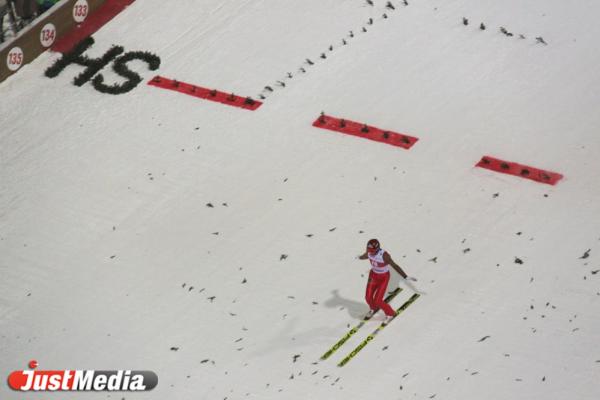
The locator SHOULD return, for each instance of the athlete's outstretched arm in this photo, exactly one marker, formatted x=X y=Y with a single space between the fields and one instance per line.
x=388 y=259
x=363 y=256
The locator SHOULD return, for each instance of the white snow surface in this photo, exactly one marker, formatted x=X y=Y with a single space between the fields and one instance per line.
x=109 y=253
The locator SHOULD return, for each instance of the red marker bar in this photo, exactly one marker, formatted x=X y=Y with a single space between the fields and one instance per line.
x=364 y=131
x=523 y=171
x=207 y=94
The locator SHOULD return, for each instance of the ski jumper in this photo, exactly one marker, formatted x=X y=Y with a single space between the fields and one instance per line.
x=377 y=283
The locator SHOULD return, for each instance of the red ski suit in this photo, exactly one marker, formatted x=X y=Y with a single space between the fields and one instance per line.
x=377 y=283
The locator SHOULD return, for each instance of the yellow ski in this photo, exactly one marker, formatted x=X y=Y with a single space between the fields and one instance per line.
x=358 y=348
x=352 y=331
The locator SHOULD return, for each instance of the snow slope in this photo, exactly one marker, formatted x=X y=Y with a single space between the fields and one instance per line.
x=112 y=258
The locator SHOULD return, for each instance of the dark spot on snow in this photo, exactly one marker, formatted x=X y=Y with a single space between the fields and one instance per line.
x=586 y=254
x=518 y=260
x=283 y=257
x=174 y=348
